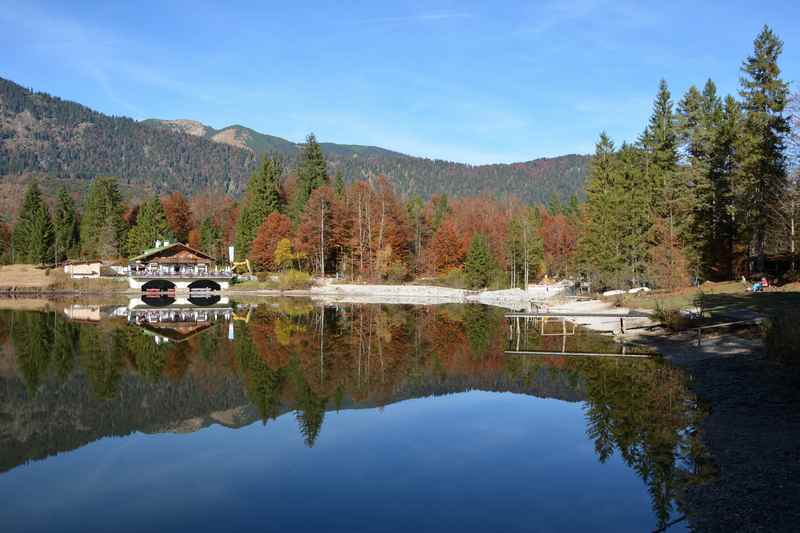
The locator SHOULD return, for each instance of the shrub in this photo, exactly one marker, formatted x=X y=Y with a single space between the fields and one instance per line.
x=396 y=272
x=264 y=276
x=293 y=280
x=670 y=318
x=454 y=278
x=782 y=337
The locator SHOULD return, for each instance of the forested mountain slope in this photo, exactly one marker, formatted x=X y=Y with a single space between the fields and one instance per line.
x=50 y=138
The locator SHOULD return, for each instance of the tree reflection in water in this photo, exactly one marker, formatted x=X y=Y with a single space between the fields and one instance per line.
x=293 y=356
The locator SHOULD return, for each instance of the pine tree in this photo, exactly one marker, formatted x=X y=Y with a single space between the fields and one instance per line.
x=211 y=239
x=634 y=218
x=32 y=239
x=151 y=225
x=763 y=160
x=671 y=197
x=479 y=264
x=66 y=227
x=262 y=197
x=613 y=247
x=311 y=173
x=699 y=115
x=338 y=183
x=441 y=208
x=554 y=204
x=102 y=227
x=725 y=170
x=5 y=244
x=599 y=248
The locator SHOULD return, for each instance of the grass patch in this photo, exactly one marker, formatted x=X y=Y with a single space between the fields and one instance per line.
x=727 y=298
x=294 y=280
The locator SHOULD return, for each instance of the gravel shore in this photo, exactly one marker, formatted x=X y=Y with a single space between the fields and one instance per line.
x=752 y=433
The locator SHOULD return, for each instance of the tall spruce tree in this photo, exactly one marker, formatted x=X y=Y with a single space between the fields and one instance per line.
x=479 y=264
x=311 y=173
x=613 y=247
x=211 y=239
x=5 y=244
x=634 y=218
x=102 y=227
x=151 y=225
x=32 y=239
x=725 y=170
x=338 y=183
x=699 y=116
x=66 y=227
x=671 y=199
x=262 y=197
x=599 y=249
x=762 y=157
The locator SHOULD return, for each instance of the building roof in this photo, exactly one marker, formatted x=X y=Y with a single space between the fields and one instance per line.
x=175 y=245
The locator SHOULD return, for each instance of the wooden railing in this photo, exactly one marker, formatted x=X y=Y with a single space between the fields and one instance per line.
x=182 y=275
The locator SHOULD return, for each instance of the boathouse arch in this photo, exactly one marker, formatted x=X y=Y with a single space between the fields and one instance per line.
x=160 y=285
x=204 y=285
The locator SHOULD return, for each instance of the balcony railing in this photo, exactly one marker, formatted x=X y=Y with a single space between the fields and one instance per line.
x=181 y=275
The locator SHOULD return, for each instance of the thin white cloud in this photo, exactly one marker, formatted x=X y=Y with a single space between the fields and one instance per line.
x=420 y=17
x=104 y=57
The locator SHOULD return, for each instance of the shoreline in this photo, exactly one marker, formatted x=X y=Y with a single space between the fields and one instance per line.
x=750 y=431
x=514 y=299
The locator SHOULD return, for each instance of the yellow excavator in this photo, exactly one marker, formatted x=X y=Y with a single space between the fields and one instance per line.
x=239 y=267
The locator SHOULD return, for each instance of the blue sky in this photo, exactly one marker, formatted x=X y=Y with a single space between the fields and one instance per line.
x=476 y=82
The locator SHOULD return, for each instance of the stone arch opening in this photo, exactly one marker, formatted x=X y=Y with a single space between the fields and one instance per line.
x=160 y=285
x=204 y=285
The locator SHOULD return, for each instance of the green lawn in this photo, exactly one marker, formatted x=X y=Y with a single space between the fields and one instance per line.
x=722 y=299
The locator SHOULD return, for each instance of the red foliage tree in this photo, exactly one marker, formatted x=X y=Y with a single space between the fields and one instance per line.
x=193 y=239
x=179 y=215
x=315 y=232
x=560 y=236
x=668 y=268
x=275 y=227
x=371 y=230
x=486 y=215
x=447 y=247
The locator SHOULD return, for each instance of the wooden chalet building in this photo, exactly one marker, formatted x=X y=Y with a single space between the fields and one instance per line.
x=176 y=266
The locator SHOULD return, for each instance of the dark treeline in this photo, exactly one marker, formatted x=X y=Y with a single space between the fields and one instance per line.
x=704 y=191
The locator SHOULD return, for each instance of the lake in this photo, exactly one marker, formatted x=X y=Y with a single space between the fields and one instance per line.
x=287 y=415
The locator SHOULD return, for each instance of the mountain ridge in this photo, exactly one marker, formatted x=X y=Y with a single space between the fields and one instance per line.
x=64 y=142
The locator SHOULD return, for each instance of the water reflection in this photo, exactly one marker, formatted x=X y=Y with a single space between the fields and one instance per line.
x=92 y=371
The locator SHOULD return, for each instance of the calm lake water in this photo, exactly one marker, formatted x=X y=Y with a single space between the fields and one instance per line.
x=289 y=416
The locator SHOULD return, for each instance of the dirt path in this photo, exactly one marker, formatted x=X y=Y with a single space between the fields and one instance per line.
x=752 y=431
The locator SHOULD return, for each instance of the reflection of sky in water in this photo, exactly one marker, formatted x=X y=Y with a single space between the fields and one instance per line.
x=476 y=461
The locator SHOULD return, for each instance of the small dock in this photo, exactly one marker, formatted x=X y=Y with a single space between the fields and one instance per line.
x=616 y=321
x=632 y=314
x=566 y=325
x=581 y=354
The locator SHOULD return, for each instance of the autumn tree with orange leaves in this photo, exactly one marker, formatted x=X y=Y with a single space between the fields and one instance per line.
x=179 y=215
x=262 y=252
